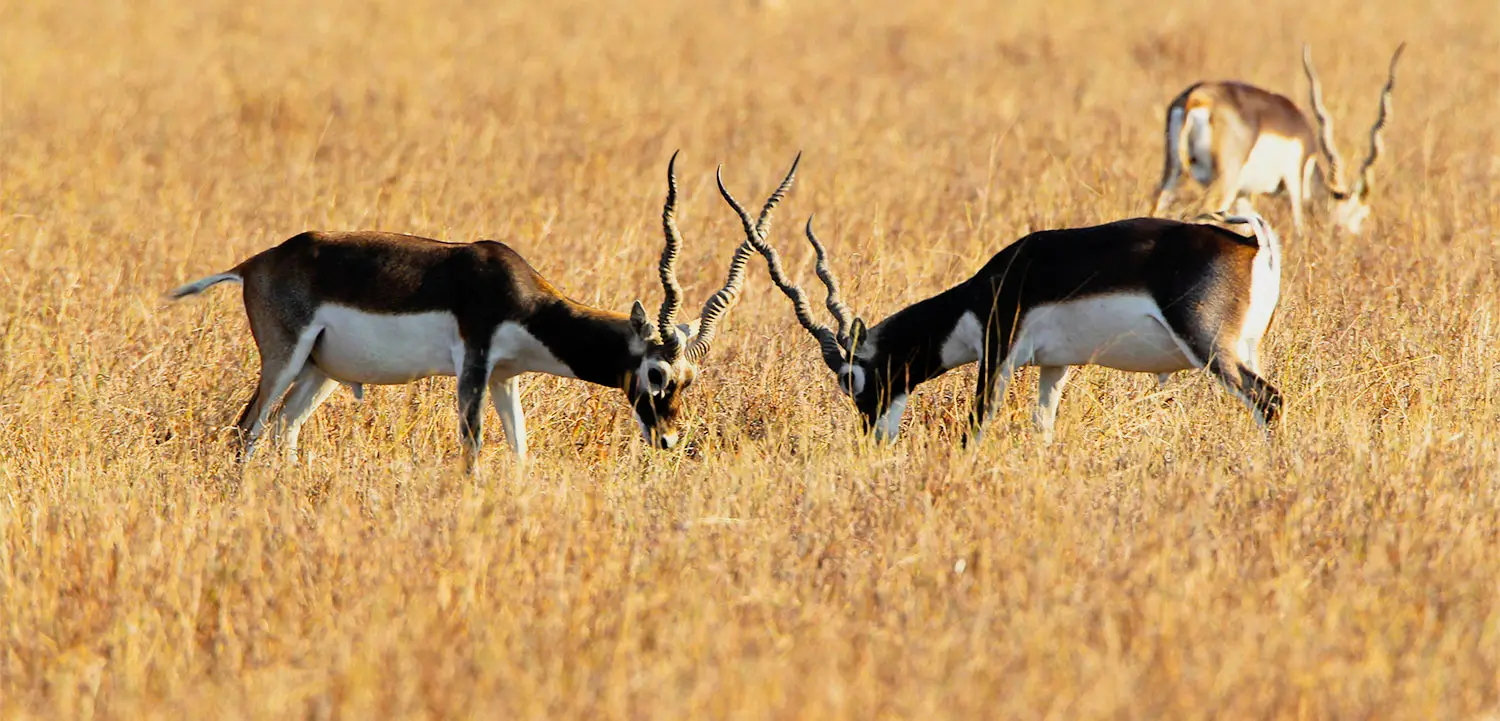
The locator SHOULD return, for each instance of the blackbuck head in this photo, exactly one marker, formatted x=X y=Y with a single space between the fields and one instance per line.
x=1350 y=206
x=847 y=351
x=671 y=351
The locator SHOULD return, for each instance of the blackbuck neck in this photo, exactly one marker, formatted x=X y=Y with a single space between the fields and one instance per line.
x=597 y=346
x=916 y=344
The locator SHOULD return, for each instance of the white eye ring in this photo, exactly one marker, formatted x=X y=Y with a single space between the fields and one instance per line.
x=851 y=379
x=663 y=376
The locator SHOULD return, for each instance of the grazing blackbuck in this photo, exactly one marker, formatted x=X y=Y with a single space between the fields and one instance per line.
x=1150 y=295
x=1239 y=140
x=382 y=308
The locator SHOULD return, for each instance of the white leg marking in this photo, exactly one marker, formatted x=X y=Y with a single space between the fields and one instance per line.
x=308 y=392
x=997 y=392
x=505 y=393
x=1049 y=394
x=271 y=393
x=888 y=426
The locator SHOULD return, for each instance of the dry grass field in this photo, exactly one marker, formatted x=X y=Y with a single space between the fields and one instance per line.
x=1160 y=560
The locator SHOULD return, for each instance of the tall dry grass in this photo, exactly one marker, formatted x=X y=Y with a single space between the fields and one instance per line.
x=1158 y=561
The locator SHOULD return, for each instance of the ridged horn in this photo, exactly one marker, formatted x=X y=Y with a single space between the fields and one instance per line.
x=836 y=307
x=722 y=301
x=833 y=355
x=1334 y=178
x=671 y=291
x=1366 y=180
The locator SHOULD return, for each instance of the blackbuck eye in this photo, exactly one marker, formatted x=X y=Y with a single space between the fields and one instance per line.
x=656 y=378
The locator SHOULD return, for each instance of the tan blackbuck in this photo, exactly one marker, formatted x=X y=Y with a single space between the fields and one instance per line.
x=1239 y=140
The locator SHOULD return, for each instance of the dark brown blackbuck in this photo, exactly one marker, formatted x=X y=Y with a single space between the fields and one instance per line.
x=361 y=308
x=1149 y=295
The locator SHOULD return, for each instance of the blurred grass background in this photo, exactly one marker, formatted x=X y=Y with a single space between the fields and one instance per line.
x=1158 y=561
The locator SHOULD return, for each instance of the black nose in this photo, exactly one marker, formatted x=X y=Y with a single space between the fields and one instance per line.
x=663 y=443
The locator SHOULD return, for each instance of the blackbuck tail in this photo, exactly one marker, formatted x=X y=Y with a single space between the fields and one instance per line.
x=202 y=284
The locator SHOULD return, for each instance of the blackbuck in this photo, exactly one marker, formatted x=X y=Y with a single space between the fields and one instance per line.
x=1239 y=140
x=1149 y=295
x=381 y=308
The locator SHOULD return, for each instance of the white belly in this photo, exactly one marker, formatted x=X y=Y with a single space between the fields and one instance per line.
x=1272 y=160
x=361 y=347
x=1123 y=331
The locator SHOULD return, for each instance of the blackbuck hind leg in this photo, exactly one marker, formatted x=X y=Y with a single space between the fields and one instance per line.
x=1206 y=351
x=1263 y=399
x=1050 y=383
x=282 y=357
x=505 y=393
x=311 y=388
x=1231 y=142
x=1172 y=170
x=472 y=378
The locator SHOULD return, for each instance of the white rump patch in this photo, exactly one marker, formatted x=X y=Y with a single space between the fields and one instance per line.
x=1200 y=146
x=1122 y=331
x=1265 y=293
x=362 y=347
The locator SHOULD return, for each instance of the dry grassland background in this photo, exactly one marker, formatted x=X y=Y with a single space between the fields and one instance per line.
x=1160 y=560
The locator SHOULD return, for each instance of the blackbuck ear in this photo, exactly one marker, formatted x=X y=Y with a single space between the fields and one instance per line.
x=641 y=323
x=857 y=333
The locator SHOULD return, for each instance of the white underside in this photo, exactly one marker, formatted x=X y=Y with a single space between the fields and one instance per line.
x=356 y=346
x=1122 y=331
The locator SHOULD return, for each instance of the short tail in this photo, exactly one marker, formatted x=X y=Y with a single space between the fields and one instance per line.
x=202 y=284
x=1264 y=236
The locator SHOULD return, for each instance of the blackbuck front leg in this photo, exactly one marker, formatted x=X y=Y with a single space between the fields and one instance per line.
x=505 y=393
x=472 y=380
x=996 y=366
x=1050 y=383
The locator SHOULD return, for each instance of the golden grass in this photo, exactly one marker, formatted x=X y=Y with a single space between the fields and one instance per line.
x=1159 y=561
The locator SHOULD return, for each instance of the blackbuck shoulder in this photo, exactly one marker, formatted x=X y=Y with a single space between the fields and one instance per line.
x=1241 y=141
x=1148 y=295
x=380 y=308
